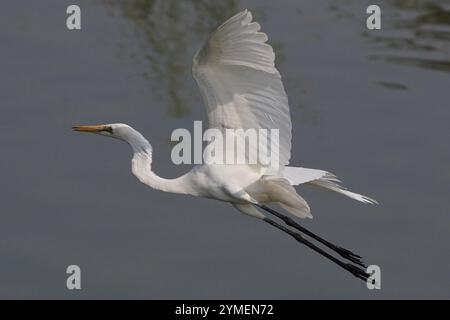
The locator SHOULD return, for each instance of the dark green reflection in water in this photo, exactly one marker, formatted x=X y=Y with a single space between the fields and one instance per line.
x=171 y=31
x=422 y=34
x=392 y=85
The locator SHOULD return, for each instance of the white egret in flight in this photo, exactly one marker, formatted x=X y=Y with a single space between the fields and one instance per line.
x=242 y=89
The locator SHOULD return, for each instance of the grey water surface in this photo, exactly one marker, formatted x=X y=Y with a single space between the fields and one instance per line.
x=372 y=106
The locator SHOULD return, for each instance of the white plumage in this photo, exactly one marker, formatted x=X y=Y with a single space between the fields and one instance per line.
x=242 y=89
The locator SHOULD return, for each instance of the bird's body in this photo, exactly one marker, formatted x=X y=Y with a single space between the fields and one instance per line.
x=237 y=184
x=242 y=89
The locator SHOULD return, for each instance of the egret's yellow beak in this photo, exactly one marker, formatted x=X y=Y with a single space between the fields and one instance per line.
x=93 y=128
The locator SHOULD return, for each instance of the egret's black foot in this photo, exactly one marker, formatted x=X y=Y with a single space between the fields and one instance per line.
x=344 y=253
x=357 y=271
x=347 y=254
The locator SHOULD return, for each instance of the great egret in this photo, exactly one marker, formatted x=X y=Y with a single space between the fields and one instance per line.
x=242 y=89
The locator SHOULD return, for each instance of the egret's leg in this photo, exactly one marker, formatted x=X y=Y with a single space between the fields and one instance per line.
x=347 y=254
x=355 y=270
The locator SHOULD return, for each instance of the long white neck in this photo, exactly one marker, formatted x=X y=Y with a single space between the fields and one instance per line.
x=141 y=166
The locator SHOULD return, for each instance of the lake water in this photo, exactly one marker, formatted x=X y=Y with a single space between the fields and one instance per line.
x=370 y=106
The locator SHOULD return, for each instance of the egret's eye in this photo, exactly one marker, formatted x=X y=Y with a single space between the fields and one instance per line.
x=108 y=129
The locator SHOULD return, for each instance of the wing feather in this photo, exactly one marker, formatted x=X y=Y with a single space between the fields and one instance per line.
x=241 y=87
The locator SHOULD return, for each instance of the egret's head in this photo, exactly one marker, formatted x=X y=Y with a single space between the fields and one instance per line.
x=119 y=131
x=115 y=130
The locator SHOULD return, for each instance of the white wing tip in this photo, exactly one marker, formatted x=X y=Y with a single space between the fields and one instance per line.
x=331 y=182
x=359 y=197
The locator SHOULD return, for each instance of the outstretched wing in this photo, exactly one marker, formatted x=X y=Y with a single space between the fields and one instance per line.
x=240 y=85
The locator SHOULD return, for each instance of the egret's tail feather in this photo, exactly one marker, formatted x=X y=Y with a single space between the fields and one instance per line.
x=330 y=182
x=302 y=212
x=299 y=175
x=321 y=178
x=283 y=193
